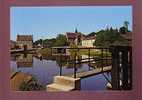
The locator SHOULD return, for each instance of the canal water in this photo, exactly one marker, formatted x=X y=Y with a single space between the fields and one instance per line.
x=43 y=70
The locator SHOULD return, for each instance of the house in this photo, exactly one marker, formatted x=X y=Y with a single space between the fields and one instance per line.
x=80 y=39
x=71 y=37
x=88 y=41
x=24 y=41
x=75 y=37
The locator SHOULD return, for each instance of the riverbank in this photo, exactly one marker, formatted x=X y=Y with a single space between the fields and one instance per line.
x=93 y=52
x=44 y=51
x=23 y=82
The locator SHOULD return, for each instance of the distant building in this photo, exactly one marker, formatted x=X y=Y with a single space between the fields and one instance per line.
x=71 y=37
x=80 y=39
x=88 y=41
x=74 y=37
x=25 y=41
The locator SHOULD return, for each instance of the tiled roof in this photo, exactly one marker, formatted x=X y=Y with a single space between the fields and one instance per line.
x=24 y=38
x=71 y=35
x=89 y=37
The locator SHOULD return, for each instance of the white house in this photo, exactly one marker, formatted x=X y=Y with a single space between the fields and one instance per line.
x=88 y=41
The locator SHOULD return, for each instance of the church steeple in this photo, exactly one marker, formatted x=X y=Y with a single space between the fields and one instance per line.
x=76 y=31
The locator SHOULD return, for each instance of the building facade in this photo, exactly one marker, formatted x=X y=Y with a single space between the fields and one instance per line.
x=74 y=38
x=71 y=37
x=80 y=39
x=88 y=41
x=24 y=41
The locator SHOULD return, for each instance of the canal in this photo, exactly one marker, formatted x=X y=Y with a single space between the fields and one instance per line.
x=44 y=69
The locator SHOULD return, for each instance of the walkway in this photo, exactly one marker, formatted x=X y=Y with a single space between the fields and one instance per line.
x=85 y=74
x=69 y=83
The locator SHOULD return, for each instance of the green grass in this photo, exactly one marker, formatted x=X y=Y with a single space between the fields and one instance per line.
x=96 y=53
x=45 y=51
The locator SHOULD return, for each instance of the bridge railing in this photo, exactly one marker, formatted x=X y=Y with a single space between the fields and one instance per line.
x=104 y=57
x=120 y=57
x=121 y=72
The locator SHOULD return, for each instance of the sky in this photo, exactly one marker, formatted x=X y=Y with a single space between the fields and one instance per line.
x=48 y=22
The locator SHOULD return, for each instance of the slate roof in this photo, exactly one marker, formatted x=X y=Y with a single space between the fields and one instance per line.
x=24 y=38
x=71 y=35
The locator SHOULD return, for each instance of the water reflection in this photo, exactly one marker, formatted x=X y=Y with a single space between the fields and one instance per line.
x=24 y=60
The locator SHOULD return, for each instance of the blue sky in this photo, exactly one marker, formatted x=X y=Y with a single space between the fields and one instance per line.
x=47 y=22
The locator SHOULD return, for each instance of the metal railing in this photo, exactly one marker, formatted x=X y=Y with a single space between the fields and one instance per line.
x=103 y=57
x=121 y=72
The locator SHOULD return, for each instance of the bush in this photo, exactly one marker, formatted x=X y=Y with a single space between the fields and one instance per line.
x=30 y=86
x=45 y=51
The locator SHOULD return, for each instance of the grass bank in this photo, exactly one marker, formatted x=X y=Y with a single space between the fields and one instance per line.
x=45 y=51
x=95 y=53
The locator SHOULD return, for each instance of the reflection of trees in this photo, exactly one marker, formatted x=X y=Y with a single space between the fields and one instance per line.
x=68 y=62
x=75 y=57
x=62 y=60
x=74 y=61
x=101 y=63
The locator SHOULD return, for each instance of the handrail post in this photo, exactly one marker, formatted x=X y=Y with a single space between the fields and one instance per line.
x=89 y=58
x=106 y=51
x=60 y=64
x=102 y=56
x=130 y=68
x=115 y=68
x=51 y=51
x=75 y=66
x=121 y=67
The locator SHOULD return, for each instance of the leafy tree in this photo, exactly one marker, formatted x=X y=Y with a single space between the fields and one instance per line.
x=49 y=42
x=60 y=40
x=106 y=37
x=126 y=23
x=123 y=30
x=37 y=42
x=92 y=34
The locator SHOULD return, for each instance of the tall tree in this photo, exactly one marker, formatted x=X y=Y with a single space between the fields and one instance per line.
x=61 y=40
x=106 y=38
x=126 y=24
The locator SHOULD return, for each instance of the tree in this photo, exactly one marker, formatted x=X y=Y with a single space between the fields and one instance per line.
x=49 y=42
x=92 y=34
x=126 y=23
x=106 y=37
x=38 y=42
x=61 y=40
x=123 y=30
